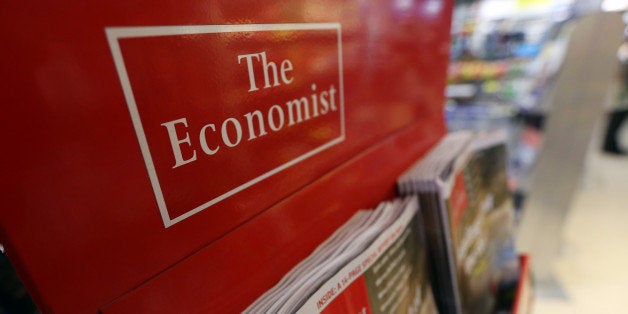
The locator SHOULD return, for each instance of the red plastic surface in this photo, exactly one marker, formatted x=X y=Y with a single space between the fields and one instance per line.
x=354 y=299
x=525 y=294
x=81 y=220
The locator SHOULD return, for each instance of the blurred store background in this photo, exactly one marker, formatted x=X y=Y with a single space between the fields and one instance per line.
x=553 y=74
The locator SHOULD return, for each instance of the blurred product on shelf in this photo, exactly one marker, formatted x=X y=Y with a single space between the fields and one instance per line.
x=478 y=116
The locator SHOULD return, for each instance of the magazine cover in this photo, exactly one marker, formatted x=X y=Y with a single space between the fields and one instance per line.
x=375 y=263
x=478 y=230
x=462 y=188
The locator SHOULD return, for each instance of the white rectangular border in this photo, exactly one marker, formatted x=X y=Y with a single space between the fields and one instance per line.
x=116 y=33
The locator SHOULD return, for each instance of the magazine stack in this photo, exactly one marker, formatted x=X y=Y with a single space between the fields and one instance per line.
x=467 y=211
x=375 y=263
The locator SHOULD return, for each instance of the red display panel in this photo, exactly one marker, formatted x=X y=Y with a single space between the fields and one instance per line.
x=83 y=221
x=206 y=142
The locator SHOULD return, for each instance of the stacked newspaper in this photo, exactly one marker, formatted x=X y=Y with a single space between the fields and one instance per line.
x=466 y=205
x=375 y=263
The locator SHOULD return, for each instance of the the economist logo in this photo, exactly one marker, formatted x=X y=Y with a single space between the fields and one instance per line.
x=219 y=108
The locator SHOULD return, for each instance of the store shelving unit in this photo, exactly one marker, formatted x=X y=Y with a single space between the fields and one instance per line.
x=504 y=63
